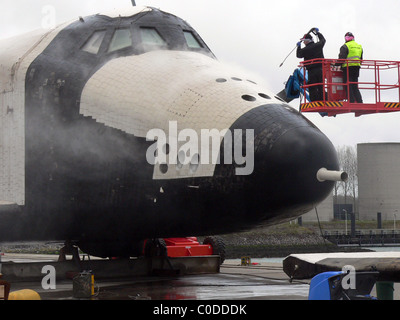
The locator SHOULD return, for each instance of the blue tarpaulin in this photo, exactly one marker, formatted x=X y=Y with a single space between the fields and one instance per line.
x=294 y=83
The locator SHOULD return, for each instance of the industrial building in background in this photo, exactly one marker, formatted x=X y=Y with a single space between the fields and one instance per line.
x=378 y=187
x=324 y=210
x=378 y=180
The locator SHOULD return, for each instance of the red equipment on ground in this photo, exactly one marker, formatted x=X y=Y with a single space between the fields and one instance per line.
x=379 y=87
x=185 y=247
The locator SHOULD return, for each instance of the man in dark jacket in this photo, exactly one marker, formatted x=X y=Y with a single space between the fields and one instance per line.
x=313 y=50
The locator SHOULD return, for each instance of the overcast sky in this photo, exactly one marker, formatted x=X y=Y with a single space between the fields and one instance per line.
x=258 y=35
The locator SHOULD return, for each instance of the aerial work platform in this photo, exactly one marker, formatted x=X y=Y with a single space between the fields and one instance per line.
x=378 y=84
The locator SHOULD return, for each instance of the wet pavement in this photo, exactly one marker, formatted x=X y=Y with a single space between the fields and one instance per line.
x=263 y=281
x=203 y=287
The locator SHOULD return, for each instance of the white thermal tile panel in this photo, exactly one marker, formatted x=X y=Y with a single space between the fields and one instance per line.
x=126 y=12
x=163 y=86
x=16 y=55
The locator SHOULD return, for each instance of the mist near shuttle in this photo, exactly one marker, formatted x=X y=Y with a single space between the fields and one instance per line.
x=87 y=178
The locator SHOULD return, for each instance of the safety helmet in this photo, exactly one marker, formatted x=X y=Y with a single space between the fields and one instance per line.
x=307 y=38
x=349 y=36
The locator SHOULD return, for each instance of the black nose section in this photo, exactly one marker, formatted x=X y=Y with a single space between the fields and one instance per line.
x=292 y=165
x=288 y=152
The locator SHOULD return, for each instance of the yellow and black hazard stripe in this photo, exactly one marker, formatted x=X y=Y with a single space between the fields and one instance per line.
x=319 y=104
x=312 y=105
x=391 y=105
x=334 y=104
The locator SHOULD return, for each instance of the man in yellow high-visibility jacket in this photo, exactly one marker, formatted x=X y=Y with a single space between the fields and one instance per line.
x=351 y=50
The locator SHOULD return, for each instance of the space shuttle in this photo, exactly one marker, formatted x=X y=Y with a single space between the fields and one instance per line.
x=123 y=126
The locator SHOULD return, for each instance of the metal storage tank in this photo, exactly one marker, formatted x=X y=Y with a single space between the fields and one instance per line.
x=379 y=180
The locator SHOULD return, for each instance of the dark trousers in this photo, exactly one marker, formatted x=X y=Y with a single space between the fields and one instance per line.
x=315 y=76
x=353 y=73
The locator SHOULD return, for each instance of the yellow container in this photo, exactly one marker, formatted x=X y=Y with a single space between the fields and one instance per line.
x=25 y=294
x=246 y=261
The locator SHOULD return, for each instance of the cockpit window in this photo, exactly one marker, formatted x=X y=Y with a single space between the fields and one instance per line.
x=120 y=40
x=94 y=42
x=191 y=40
x=150 y=36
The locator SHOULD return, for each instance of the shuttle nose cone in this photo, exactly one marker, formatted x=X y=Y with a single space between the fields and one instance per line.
x=292 y=164
x=288 y=152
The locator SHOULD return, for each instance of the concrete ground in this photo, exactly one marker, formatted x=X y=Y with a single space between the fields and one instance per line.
x=234 y=282
x=262 y=281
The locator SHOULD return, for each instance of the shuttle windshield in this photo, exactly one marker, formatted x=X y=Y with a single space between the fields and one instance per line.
x=191 y=41
x=140 y=34
x=150 y=36
x=121 y=39
x=94 y=42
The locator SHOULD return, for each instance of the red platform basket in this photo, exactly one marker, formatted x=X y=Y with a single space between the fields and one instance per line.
x=378 y=81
